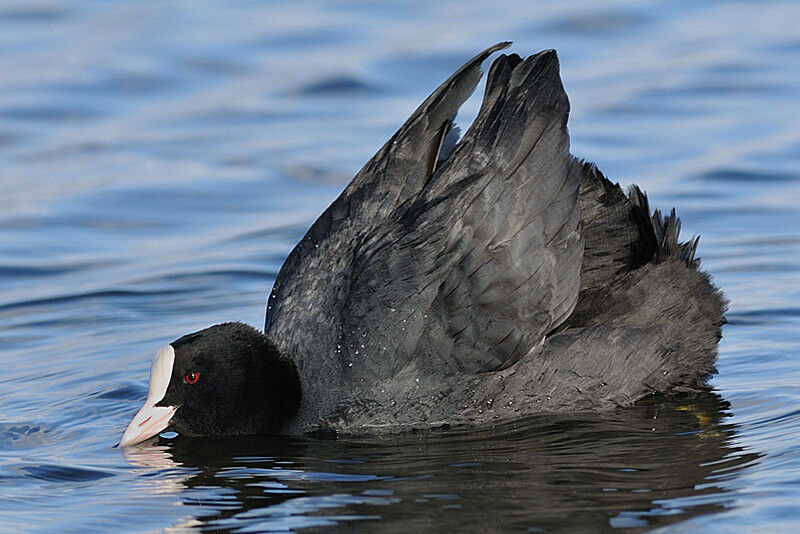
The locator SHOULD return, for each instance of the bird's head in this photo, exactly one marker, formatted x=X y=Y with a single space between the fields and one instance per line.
x=226 y=380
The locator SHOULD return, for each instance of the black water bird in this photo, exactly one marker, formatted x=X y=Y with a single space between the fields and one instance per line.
x=458 y=281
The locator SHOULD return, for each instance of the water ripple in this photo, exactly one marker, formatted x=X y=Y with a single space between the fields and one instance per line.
x=61 y=473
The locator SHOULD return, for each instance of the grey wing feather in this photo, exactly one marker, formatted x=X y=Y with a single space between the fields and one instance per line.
x=474 y=272
x=469 y=262
x=301 y=310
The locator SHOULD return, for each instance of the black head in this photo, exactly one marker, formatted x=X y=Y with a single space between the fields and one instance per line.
x=226 y=380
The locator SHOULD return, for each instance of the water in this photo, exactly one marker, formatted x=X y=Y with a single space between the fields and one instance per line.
x=159 y=160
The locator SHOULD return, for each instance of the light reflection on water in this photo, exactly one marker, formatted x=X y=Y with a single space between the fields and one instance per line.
x=546 y=472
x=158 y=162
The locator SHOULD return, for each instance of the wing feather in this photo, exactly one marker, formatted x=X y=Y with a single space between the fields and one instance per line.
x=462 y=265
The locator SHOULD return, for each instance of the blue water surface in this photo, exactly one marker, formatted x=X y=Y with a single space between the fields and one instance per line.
x=158 y=160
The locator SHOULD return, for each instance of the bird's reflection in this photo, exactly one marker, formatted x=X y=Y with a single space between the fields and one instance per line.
x=651 y=465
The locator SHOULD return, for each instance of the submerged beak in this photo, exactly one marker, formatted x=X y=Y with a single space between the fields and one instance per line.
x=152 y=419
x=149 y=421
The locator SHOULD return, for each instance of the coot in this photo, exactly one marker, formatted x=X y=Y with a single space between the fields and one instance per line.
x=458 y=281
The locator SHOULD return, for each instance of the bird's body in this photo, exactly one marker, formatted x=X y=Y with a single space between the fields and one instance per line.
x=513 y=279
x=501 y=278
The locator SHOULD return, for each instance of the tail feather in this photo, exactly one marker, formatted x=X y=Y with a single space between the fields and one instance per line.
x=666 y=231
x=622 y=235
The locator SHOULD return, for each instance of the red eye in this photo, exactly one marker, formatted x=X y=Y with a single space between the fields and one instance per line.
x=191 y=378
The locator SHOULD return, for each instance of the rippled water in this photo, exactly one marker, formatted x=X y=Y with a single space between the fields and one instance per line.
x=158 y=160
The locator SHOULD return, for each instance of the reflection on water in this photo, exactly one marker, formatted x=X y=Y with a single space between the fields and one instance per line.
x=653 y=465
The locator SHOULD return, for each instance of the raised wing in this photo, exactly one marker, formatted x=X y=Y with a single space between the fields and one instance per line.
x=302 y=311
x=464 y=266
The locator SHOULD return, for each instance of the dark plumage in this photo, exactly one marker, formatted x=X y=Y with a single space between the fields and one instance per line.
x=244 y=385
x=465 y=283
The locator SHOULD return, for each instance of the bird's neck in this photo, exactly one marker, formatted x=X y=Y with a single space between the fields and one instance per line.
x=283 y=392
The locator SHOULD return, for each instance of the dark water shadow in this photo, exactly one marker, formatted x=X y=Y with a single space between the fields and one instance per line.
x=656 y=464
